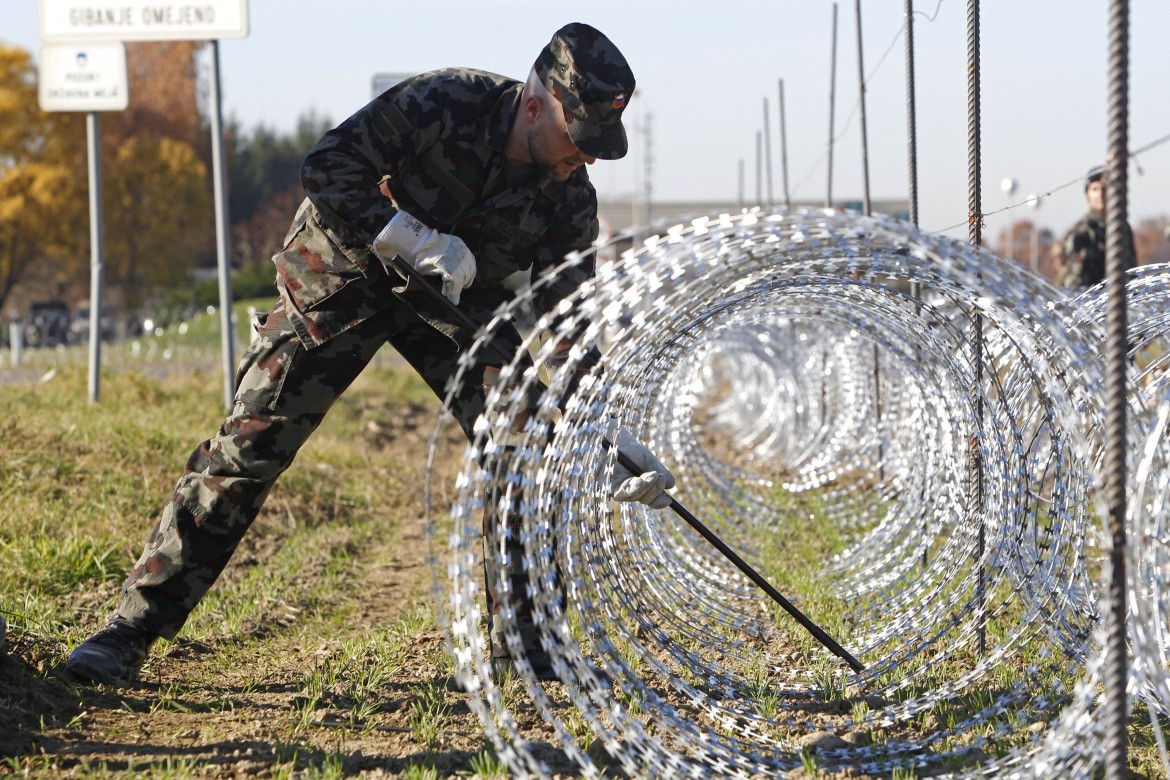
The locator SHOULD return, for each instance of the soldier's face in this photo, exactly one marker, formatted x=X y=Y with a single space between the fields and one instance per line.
x=551 y=148
x=1095 y=194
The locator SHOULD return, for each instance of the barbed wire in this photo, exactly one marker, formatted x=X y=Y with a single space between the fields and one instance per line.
x=1028 y=201
x=740 y=349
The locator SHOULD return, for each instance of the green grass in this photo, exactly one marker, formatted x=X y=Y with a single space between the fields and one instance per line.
x=793 y=560
x=81 y=485
x=487 y=765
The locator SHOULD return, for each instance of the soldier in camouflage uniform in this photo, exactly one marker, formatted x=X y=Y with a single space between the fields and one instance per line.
x=467 y=176
x=1084 y=244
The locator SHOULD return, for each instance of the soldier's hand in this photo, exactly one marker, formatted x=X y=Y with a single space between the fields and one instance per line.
x=428 y=251
x=649 y=486
x=452 y=260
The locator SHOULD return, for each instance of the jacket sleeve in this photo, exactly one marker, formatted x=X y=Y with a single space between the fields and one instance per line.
x=575 y=230
x=1074 y=258
x=343 y=172
x=1130 y=259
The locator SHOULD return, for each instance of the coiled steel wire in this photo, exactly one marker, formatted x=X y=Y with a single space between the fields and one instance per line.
x=740 y=348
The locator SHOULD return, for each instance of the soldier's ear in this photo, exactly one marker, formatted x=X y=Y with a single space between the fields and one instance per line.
x=533 y=109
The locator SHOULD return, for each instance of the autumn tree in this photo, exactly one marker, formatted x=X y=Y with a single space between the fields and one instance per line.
x=164 y=123
x=42 y=181
x=165 y=96
x=153 y=188
x=1027 y=243
x=1151 y=239
x=157 y=208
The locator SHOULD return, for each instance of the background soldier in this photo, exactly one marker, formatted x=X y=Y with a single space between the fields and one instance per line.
x=469 y=177
x=1084 y=244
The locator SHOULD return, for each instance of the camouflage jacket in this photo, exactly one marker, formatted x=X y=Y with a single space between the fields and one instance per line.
x=1084 y=252
x=432 y=146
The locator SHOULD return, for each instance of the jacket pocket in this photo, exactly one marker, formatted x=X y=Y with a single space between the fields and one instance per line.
x=311 y=268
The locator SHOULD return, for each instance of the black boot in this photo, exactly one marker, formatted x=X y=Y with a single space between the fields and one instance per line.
x=113 y=655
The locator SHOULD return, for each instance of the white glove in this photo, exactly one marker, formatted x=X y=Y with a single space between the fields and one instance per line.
x=429 y=252
x=650 y=485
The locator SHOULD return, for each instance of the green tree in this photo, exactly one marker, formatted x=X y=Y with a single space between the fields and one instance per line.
x=265 y=185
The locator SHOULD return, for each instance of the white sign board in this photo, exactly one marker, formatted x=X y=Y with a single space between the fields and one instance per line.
x=84 y=77
x=142 y=20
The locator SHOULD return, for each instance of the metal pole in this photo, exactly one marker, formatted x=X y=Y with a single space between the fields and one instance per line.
x=832 y=106
x=759 y=170
x=861 y=93
x=784 y=150
x=911 y=118
x=912 y=169
x=16 y=342
x=868 y=210
x=635 y=196
x=975 y=227
x=741 y=177
x=635 y=199
x=768 y=156
x=649 y=183
x=223 y=245
x=1117 y=253
x=96 y=264
x=1034 y=251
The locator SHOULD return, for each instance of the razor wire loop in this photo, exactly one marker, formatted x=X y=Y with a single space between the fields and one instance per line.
x=511 y=493
x=739 y=347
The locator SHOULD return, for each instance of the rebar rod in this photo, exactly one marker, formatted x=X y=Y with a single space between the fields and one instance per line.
x=1117 y=253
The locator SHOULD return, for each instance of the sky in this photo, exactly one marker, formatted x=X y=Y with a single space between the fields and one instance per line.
x=704 y=74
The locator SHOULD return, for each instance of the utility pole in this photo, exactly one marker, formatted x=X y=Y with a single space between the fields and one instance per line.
x=832 y=107
x=759 y=170
x=741 y=182
x=768 y=156
x=784 y=150
x=861 y=92
x=648 y=169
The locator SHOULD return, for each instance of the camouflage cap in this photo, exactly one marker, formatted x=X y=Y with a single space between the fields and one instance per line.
x=582 y=69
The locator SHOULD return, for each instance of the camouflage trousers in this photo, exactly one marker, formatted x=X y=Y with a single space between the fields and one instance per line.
x=283 y=393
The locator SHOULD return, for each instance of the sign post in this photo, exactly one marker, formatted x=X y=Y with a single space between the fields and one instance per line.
x=223 y=233
x=151 y=20
x=88 y=77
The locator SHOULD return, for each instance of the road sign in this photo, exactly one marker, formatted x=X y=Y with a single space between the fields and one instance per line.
x=84 y=77
x=142 y=20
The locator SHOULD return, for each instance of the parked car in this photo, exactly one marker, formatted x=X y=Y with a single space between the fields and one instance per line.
x=47 y=325
x=79 y=325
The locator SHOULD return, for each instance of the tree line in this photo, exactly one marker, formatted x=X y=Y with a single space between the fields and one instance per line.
x=157 y=197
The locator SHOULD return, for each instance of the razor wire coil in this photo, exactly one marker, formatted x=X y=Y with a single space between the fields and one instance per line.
x=740 y=348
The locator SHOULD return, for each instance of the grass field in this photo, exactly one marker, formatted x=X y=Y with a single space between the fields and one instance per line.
x=317 y=654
